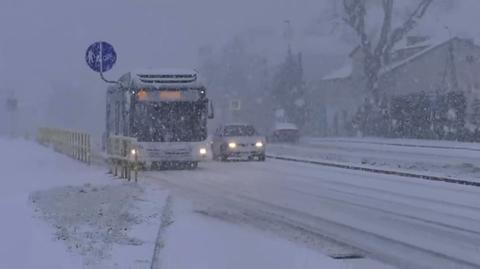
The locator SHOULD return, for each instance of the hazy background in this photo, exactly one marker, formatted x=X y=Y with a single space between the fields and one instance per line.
x=43 y=42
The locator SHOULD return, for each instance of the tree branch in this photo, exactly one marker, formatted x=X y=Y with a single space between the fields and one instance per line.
x=374 y=58
x=400 y=32
x=355 y=12
x=386 y=28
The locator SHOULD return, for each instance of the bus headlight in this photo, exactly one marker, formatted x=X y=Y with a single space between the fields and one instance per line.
x=259 y=144
x=203 y=151
x=232 y=145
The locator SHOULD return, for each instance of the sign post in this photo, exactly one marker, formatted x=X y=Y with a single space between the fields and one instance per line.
x=235 y=107
x=12 y=104
x=12 y=107
x=101 y=57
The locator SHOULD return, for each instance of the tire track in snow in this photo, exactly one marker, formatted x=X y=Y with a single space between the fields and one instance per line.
x=376 y=245
x=407 y=211
x=321 y=180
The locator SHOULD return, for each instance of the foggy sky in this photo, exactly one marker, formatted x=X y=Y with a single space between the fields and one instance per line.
x=47 y=38
x=43 y=42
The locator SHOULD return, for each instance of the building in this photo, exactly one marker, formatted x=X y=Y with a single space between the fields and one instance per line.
x=418 y=65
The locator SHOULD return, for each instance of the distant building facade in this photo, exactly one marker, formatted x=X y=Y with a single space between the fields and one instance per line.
x=422 y=65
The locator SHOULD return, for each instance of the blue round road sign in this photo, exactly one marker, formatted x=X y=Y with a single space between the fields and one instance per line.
x=101 y=56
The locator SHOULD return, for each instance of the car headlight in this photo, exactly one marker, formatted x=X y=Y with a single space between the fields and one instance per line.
x=232 y=145
x=259 y=144
x=133 y=152
x=203 y=151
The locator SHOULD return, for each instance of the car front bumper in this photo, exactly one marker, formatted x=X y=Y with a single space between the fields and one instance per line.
x=244 y=152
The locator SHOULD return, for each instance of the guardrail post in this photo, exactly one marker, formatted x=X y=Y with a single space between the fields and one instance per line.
x=74 y=144
x=136 y=167
x=88 y=148
x=129 y=171
x=82 y=147
x=85 y=148
x=120 y=156
x=125 y=167
x=115 y=171
x=124 y=174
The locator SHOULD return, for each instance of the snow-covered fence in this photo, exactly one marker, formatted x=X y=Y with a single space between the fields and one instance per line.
x=122 y=155
x=71 y=143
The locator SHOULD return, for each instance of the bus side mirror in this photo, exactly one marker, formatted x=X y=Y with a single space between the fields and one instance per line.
x=211 y=112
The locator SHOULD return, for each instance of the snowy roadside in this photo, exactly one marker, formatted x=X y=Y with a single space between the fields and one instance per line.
x=110 y=226
x=58 y=213
x=442 y=158
x=421 y=143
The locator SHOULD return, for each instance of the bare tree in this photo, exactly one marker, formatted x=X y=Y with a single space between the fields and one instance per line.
x=376 y=55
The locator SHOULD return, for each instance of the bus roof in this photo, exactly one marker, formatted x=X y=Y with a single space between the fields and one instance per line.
x=158 y=78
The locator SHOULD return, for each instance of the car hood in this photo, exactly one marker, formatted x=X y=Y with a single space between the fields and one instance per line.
x=245 y=139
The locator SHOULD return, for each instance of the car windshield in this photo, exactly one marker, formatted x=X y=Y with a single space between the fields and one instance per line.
x=239 y=130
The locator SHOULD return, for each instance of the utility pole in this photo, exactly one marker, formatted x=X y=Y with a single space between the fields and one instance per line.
x=288 y=33
x=12 y=111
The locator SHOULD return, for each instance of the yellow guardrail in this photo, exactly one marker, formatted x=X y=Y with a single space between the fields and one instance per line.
x=74 y=144
x=122 y=154
x=123 y=157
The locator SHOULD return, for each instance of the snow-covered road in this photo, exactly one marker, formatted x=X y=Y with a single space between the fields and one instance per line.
x=409 y=223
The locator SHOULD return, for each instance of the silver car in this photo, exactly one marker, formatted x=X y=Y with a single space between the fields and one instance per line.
x=238 y=141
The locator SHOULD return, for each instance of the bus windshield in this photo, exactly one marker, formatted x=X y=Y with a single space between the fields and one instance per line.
x=169 y=121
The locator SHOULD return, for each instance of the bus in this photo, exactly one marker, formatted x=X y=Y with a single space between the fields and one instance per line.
x=165 y=111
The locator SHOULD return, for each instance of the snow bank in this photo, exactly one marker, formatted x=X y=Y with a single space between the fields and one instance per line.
x=90 y=219
x=26 y=241
x=58 y=213
x=442 y=158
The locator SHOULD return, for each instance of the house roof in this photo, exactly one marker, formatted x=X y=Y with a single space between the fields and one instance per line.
x=343 y=72
x=433 y=45
x=285 y=126
x=346 y=70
